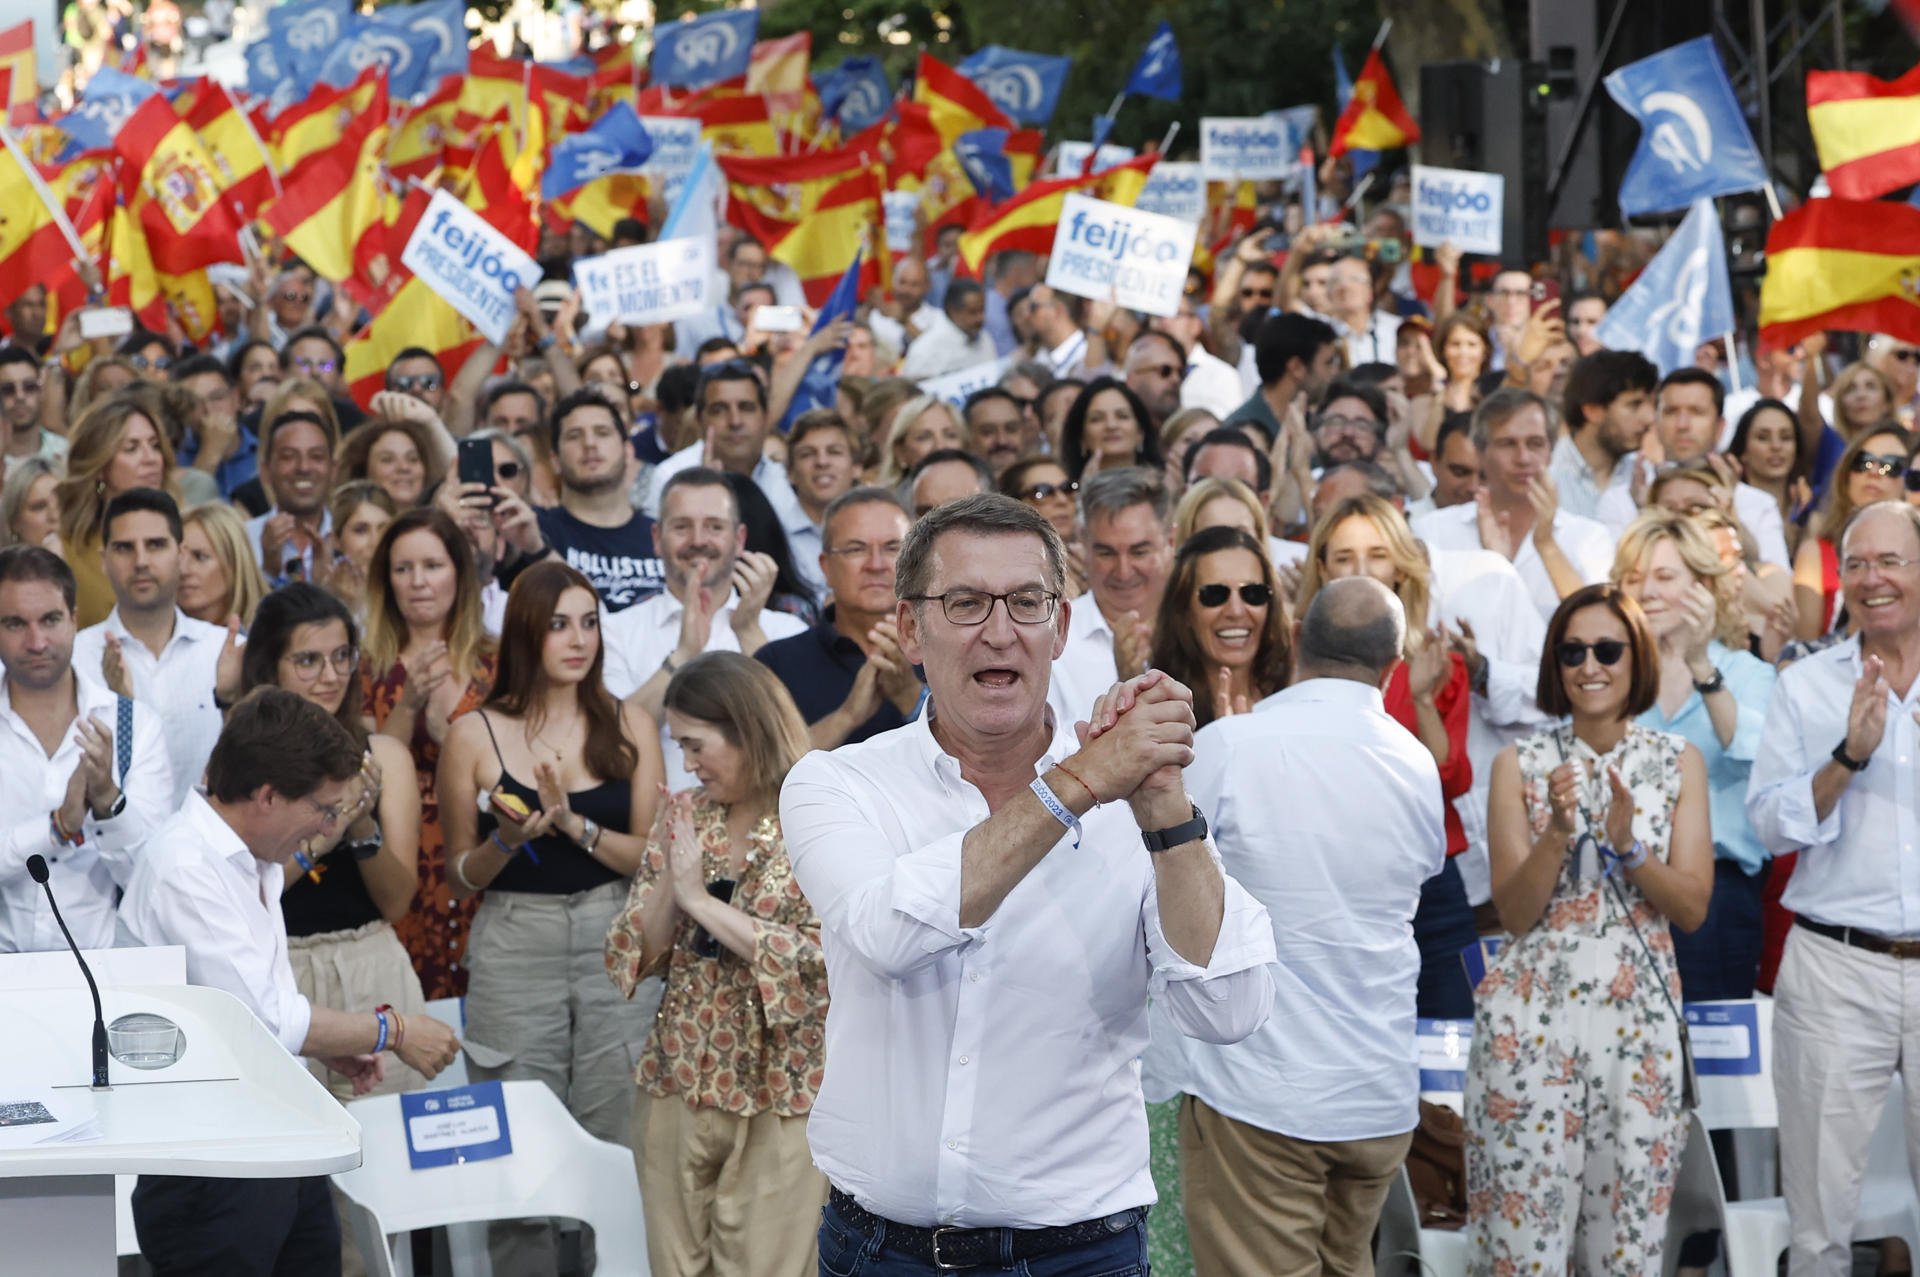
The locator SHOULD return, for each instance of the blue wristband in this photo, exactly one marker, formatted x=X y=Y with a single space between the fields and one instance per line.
x=1051 y=801
x=501 y=843
x=301 y=858
x=380 y=1043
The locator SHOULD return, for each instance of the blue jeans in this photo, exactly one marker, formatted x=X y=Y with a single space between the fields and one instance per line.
x=845 y=1251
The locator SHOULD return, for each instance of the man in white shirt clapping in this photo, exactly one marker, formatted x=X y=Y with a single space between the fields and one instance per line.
x=992 y=928
x=1330 y=812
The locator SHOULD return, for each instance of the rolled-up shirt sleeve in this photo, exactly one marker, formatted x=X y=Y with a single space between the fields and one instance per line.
x=896 y=911
x=1780 y=802
x=1232 y=995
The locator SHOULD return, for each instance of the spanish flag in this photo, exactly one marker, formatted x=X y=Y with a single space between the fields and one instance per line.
x=813 y=212
x=415 y=317
x=1029 y=218
x=238 y=153
x=1846 y=264
x=332 y=199
x=1375 y=119
x=23 y=87
x=172 y=185
x=780 y=66
x=417 y=144
x=956 y=104
x=324 y=118
x=33 y=248
x=1867 y=131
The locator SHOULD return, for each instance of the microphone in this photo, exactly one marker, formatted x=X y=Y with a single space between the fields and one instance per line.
x=37 y=870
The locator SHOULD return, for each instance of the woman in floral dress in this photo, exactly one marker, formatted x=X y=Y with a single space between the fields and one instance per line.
x=1575 y=1121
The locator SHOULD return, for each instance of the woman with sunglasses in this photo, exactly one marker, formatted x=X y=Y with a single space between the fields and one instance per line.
x=1873 y=468
x=1223 y=630
x=1598 y=838
x=1430 y=695
x=1040 y=483
x=341 y=898
x=1862 y=397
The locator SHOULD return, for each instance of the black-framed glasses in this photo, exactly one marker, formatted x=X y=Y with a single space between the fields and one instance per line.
x=1041 y=491
x=1164 y=370
x=1910 y=355
x=1029 y=606
x=411 y=382
x=1573 y=654
x=889 y=550
x=307 y=665
x=1252 y=593
x=1888 y=465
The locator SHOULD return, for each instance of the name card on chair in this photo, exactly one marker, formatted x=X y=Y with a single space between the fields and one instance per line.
x=460 y=1124
x=1726 y=1037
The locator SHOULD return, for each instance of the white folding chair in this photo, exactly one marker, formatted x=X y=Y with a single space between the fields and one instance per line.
x=1402 y=1247
x=555 y=1169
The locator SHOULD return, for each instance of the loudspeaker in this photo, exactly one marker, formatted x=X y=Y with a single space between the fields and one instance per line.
x=1490 y=117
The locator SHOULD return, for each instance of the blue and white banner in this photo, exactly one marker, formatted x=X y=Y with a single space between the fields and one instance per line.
x=648 y=283
x=954 y=387
x=1157 y=73
x=1726 y=1038
x=1458 y=207
x=1247 y=148
x=902 y=209
x=1175 y=189
x=443 y=20
x=1110 y=252
x=615 y=143
x=407 y=55
x=705 y=50
x=1443 y=1046
x=109 y=98
x=676 y=143
x=1024 y=85
x=473 y=267
x=1682 y=298
x=1694 y=140
x=856 y=93
x=1070 y=157
x=821 y=384
x=455 y=1125
x=696 y=209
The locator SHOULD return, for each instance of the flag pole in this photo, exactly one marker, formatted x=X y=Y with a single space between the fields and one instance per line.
x=1733 y=363
x=60 y=217
x=1118 y=98
x=1173 y=131
x=1773 y=201
x=1381 y=39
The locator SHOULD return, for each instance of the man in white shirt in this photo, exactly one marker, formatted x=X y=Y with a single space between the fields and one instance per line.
x=1062 y=342
x=1209 y=382
x=296 y=455
x=63 y=790
x=1227 y=453
x=149 y=649
x=992 y=929
x=957 y=340
x=908 y=314
x=1834 y=781
x=1688 y=427
x=1609 y=407
x=1126 y=539
x=1519 y=515
x=1330 y=813
x=209 y=880
x=1371 y=335
x=715 y=601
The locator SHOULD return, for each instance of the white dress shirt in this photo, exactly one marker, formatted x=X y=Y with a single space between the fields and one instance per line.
x=1758 y=513
x=33 y=786
x=891 y=331
x=256 y=527
x=1585 y=543
x=1860 y=867
x=943 y=348
x=177 y=684
x=988 y=1076
x=639 y=638
x=1329 y=812
x=1069 y=358
x=1086 y=667
x=1377 y=343
x=199 y=887
x=1211 y=383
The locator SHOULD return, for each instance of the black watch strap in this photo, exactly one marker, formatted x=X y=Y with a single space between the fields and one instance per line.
x=1159 y=840
x=1841 y=756
x=1712 y=685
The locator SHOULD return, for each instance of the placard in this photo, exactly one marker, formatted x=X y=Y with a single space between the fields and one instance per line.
x=459 y=1124
x=954 y=387
x=1070 y=157
x=1443 y=1046
x=903 y=209
x=648 y=283
x=1476 y=956
x=675 y=142
x=1110 y=252
x=1237 y=148
x=472 y=266
x=1726 y=1038
x=1175 y=189
x=1458 y=207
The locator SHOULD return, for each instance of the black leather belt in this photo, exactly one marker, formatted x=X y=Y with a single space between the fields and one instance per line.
x=1863 y=939
x=960 y=1248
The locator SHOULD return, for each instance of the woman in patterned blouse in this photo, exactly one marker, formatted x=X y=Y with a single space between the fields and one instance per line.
x=730 y=1073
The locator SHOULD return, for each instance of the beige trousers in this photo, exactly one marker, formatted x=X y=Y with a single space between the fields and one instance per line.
x=1262 y=1204
x=357 y=971
x=725 y=1195
x=1844 y=1020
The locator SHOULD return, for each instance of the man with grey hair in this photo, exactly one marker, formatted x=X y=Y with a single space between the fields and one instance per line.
x=1330 y=812
x=992 y=927
x=1126 y=540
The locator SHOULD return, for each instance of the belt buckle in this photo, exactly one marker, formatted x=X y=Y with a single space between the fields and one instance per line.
x=942 y=1264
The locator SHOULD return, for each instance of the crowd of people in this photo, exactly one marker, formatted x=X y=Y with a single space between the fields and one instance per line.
x=773 y=793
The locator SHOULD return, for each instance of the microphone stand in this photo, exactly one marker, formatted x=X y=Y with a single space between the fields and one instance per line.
x=37 y=869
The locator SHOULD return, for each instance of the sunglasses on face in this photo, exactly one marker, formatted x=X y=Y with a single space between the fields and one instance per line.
x=1910 y=356
x=507 y=470
x=1163 y=370
x=1607 y=651
x=1256 y=294
x=295 y=296
x=1889 y=466
x=1253 y=594
x=417 y=381
x=311 y=366
x=1041 y=491
x=158 y=363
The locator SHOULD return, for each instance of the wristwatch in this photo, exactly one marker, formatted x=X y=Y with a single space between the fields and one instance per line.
x=367 y=848
x=1159 y=840
x=1841 y=756
x=119 y=805
x=1712 y=685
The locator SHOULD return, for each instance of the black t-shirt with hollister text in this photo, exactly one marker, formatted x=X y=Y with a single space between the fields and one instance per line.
x=620 y=562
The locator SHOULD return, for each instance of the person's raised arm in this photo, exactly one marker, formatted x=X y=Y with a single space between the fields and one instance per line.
x=1813 y=380
x=1525 y=866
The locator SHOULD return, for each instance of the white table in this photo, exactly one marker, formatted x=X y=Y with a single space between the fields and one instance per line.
x=235 y=1105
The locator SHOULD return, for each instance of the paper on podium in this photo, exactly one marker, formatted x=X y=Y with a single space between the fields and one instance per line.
x=46 y=1116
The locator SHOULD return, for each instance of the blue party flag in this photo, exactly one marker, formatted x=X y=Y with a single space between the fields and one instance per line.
x=1694 y=141
x=1157 y=73
x=1024 y=85
x=704 y=50
x=821 y=383
x=1681 y=299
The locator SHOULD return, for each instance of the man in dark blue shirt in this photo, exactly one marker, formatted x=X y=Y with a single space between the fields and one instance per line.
x=595 y=529
x=847 y=674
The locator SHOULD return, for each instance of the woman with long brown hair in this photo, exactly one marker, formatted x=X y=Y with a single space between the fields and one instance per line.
x=115 y=446
x=426 y=661
x=1223 y=628
x=546 y=793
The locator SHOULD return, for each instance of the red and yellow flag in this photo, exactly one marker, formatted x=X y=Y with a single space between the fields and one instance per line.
x=415 y=317
x=23 y=87
x=780 y=66
x=1029 y=218
x=32 y=245
x=237 y=152
x=813 y=212
x=1375 y=119
x=956 y=104
x=324 y=118
x=1867 y=131
x=1845 y=264
x=173 y=187
x=333 y=197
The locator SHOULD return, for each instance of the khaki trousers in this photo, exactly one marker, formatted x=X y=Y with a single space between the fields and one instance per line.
x=1261 y=1204
x=725 y=1195
x=359 y=970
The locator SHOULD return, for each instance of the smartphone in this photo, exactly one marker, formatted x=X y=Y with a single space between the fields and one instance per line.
x=778 y=319
x=112 y=321
x=476 y=463
x=1544 y=291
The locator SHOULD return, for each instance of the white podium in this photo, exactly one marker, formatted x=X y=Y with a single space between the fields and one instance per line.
x=235 y=1105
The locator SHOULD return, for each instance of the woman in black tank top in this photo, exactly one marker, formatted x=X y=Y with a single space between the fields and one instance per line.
x=546 y=795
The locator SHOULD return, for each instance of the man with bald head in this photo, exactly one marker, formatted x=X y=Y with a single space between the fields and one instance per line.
x=1330 y=813
x=906 y=314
